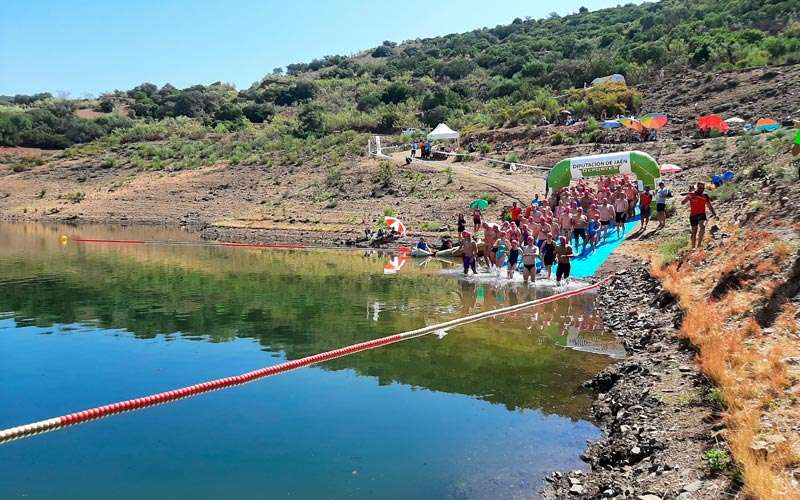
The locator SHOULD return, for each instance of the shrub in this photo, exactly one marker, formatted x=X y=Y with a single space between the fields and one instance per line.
x=671 y=247
x=385 y=172
x=430 y=226
x=389 y=212
x=725 y=192
x=717 y=459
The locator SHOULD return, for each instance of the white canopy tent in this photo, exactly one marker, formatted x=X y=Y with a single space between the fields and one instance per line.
x=443 y=132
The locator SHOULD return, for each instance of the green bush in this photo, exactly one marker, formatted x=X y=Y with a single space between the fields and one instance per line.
x=671 y=247
x=725 y=192
x=717 y=459
x=385 y=172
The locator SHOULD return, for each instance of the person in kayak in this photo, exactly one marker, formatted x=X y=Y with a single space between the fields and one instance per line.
x=698 y=200
x=422 y=245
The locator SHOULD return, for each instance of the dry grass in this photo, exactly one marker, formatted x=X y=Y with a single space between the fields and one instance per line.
x=746 y=365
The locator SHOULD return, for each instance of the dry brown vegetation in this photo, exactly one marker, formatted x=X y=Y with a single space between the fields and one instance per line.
x=753 y=365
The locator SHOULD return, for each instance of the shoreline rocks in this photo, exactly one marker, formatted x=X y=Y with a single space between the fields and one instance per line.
x=650 y=406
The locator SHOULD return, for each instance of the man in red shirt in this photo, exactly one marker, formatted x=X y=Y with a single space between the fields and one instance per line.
x=515 y=213
x=645 y=199
x=698 y=201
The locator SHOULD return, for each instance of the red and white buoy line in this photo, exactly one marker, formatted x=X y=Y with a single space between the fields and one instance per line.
x=220 y=244
x=56 y=423
x=273 y=246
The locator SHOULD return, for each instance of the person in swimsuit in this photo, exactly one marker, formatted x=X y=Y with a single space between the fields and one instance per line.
x=579 y=223
x=606 y=211
x=620 y=211
x=529 y=254
x=632 y=194
x=500 y=248
x=476 y=219
x=593 y=231
x=513 y=258
x=549 y=254
x=698 y=201
x=563 y=255
x=470 y=249
x=489 y=239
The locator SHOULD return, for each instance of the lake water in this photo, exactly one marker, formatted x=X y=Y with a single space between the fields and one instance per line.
x=483 y=412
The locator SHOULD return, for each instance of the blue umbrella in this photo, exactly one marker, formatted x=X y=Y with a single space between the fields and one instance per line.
x=610 y=124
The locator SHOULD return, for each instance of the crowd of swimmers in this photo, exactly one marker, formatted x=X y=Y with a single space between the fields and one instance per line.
x=572 y=221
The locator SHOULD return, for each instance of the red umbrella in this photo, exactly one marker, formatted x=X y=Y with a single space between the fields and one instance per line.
x=396 y=224
x=710 y=122
x=668 y=168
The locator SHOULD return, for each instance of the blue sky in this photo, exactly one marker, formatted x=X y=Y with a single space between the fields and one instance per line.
x=95 y=46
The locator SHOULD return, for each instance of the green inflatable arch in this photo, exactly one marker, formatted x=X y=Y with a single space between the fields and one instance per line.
x=642 y=165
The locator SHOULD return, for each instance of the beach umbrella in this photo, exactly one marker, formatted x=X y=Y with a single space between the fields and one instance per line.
x=767 y=125
x=396 y=224
x=796 y=145
x=479 y=203
x=654 y=120
x=709 y=122
x=668 y=168
x=610 y=124
x=632 y=124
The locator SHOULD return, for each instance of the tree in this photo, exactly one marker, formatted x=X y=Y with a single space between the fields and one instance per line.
x=435 y=116
x=382 y=51
x=303 y=90
x=228 y=112
x=311 y=121
x=105 y=106
x=457 y=68
x=258 y=113
x=396 y=92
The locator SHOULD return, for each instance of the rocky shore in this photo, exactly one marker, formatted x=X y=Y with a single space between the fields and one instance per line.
x=655 y=409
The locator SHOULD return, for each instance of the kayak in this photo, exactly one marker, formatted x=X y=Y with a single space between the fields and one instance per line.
x=449 y=252
x=418 y=252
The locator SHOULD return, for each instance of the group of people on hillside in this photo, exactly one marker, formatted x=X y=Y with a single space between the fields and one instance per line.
x=572 y=221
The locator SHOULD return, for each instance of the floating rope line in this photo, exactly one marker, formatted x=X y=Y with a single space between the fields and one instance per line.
x=274 y=246
x=52 y=424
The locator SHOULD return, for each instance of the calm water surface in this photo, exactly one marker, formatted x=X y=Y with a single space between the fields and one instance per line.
x=483 y=412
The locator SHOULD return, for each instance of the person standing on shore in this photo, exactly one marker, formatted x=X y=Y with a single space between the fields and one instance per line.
x=698 y=201
x=413 y=149
x=645 y=199
x=515 y=213
x=462 y=224
x=476 y=219
x=661 y=204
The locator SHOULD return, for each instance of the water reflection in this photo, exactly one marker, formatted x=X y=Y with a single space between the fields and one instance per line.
x=301 y=303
